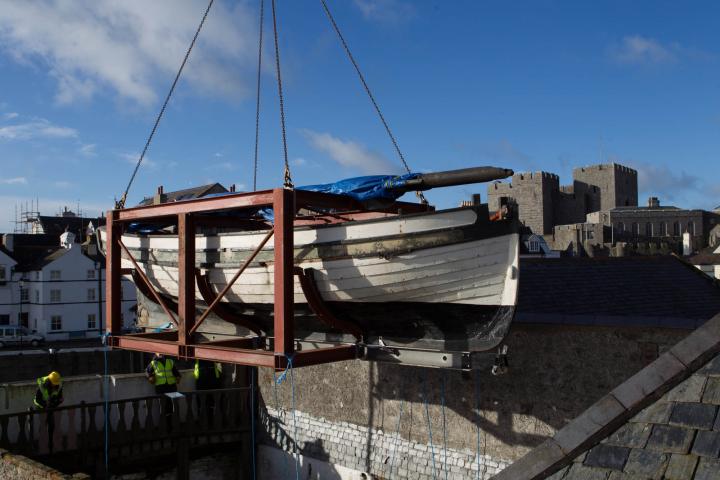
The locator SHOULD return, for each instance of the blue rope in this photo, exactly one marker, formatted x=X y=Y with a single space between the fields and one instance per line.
x=106 y=394
x=279 y=380
x=252 y=415
x=397 y=435
x=277 y=409
x=477 y=423
x=427 y=415
x=442 y=402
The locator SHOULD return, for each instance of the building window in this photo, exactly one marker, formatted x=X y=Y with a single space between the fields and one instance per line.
x=56 y=322
x=621 y=227
x=37 y=275
x=37 y=296
x=533 y=246
x=24 y=294
x=648 y=229
x=663 y=229
x=91 y=274
x=676 y=229
x=4 y=319
x=54 y=296
x=3 y=277
x=92 y=324
x=691 y=228
x=91 y=294
x=54 y=274
x=636 y=229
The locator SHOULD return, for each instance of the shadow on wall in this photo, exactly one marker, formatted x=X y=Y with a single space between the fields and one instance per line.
x=556 y=373
x=311 y=459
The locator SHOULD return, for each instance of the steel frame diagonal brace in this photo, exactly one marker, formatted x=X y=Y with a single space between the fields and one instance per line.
x=246 y=351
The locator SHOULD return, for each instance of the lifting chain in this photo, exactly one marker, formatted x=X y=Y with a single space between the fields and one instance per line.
x=257 y=105
x=120 y=204
x=287 y=182
x=369 y=94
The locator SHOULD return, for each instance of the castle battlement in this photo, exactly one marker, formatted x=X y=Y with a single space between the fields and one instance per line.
x=544 y=203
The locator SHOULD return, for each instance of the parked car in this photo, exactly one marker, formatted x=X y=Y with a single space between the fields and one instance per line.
x=13 y=335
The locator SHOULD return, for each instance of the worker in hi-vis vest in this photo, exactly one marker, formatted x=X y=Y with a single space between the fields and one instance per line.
x=162 y=372
x=49 y=393
x=208 y=375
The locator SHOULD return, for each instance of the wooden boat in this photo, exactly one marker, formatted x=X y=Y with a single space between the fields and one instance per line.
x=437 y=280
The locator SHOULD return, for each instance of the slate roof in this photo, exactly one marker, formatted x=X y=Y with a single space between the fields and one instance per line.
x=677 y=437
x=54 y=225
x=660 y=291
x=662 y=423
x=188 y=193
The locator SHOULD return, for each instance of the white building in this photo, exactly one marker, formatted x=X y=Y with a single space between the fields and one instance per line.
x=56 y=290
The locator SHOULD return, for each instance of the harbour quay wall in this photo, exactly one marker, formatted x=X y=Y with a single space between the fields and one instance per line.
x=388 y=420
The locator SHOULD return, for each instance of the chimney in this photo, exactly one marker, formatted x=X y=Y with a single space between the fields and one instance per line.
x=653 y=202
x=159 y=197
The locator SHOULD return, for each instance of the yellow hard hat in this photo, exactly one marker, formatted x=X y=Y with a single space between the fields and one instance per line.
x=54 y=378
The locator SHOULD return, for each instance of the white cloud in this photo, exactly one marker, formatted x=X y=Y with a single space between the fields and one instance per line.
x=639 y=50
x=132 y=159
x=10 y=115
x=387 y=11
x=38 y=128
x=132 y=47
x=221 y=166
x=661 y=181
x=351 y=154
x=88 y=150
x=14 y=181
x=62 y=184
x=298 y=162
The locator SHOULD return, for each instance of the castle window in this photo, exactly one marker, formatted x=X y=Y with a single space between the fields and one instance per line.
x=648 y=229
x=676 y=229
x=691 y=227
x=636 y=228
x=663 y=229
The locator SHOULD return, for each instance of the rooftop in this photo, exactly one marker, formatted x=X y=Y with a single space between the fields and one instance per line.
x=660 y=291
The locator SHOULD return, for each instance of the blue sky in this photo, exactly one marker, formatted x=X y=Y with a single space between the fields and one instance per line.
x=543 y=85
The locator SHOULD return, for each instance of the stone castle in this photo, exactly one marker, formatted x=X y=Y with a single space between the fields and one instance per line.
x=543 y=203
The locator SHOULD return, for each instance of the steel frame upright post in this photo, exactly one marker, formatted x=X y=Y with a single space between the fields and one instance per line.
x=113 y=272
x=284 y=214
x=186 y=277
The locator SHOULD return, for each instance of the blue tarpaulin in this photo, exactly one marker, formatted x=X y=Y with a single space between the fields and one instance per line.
x=373 y=187
x=363 y=189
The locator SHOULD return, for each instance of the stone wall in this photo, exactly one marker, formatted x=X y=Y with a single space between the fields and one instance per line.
x=533 y=193
x=17 y=396
x=17 y=467
x=663 y=223
x=556 y=373
x=31 y=364
x=606 y=186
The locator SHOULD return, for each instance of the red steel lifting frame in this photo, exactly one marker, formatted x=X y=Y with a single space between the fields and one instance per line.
x=188 y=213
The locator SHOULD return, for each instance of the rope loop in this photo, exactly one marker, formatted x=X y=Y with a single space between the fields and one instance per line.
x=289 y=367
